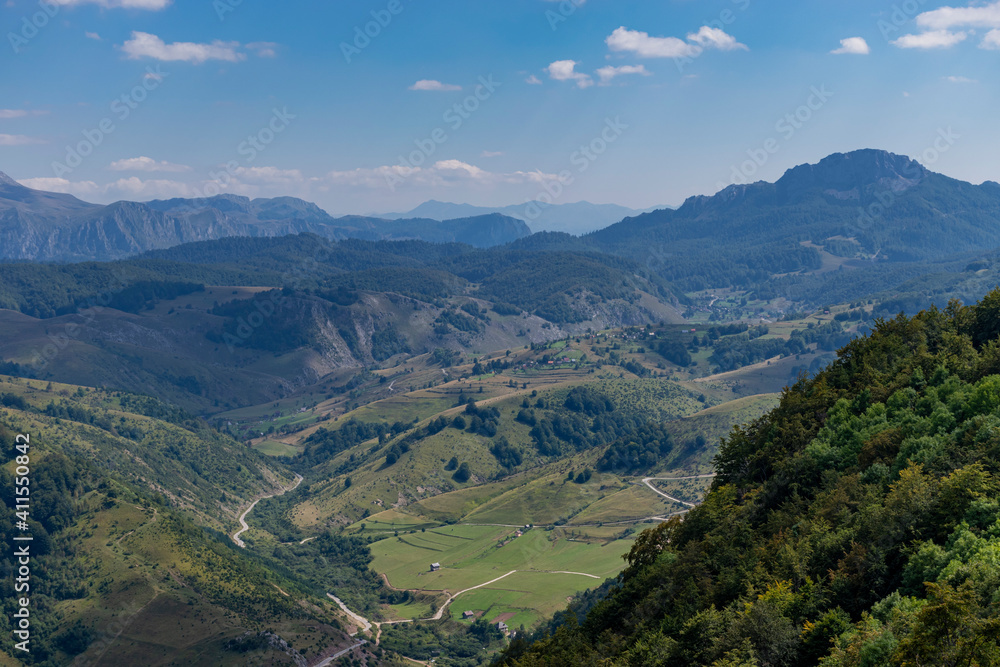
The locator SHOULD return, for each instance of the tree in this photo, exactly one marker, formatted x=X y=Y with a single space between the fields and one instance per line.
x=463 y=474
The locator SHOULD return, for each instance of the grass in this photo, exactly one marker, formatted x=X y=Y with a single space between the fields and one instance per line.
x=162 y=595
x=688 y=490
x=275 y=448
x=633 y=503
x=470 y=556
x=524 y=598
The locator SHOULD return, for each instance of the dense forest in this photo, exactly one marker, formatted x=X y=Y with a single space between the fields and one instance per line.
x=856 y=524
x=558 y=285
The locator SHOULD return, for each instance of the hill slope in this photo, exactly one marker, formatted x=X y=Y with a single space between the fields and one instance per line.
x=857 y=208
x=130 y=502
x=856 y=524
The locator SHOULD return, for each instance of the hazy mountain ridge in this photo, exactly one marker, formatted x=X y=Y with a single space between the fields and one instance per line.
x=576 y=218
x=44 y=226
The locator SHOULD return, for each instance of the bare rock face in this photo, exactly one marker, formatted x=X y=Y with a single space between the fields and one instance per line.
x=848 y=175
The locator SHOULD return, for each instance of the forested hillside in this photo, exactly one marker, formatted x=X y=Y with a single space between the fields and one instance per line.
x=856 y=524
x=129 y=508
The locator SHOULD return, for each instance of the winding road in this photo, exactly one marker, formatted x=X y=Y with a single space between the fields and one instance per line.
x=362 y=621
x=243 y=517
x=368 y=625
x=648 y=482
x=327 y=661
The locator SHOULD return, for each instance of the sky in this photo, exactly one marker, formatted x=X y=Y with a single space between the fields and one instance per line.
x=378 y=105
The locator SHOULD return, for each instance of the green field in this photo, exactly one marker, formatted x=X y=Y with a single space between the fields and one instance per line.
x=275 y=448
x=470 y=556
x=524 y=598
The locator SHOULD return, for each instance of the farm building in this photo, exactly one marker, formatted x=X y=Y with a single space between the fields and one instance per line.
x=435 y=567
x=468 y=614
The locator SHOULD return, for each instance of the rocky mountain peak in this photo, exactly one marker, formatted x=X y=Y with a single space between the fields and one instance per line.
x=845 y=173
x=7 y=180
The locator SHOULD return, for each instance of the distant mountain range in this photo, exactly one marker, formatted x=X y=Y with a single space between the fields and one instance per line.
x=867 y=203
x=850 y=211
x=848 y=220
x=45 y=226
x=579 y=218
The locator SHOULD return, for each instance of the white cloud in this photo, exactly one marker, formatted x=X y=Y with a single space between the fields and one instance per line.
x=421 y=182
x=960 y=79
x=146 y=164
x=463 y=168
x=432 y=85
x=946 y=18
x=445 y=173
x=644 y=46
x=936 y=39
x=92 y=35
x=608 y=73
x=132 y=188
x=138 y=189
x=152 y=5
x=80 y=189
x=992 y=41
x=18 y=140
x=145 y=45
x=533 y=80
x=8 y=114
x=943 y=21
x=854 y=46
x=264 y=49
x=565 y=70
x=714 y=38
x=270 y=176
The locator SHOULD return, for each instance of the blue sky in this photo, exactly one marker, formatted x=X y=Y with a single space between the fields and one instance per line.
x=487 y=102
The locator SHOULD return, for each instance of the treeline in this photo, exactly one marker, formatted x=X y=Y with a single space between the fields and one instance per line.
x=585 y=419
x=733 y=352
x=546 y=281
x=642 y=449
x=326 y=443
